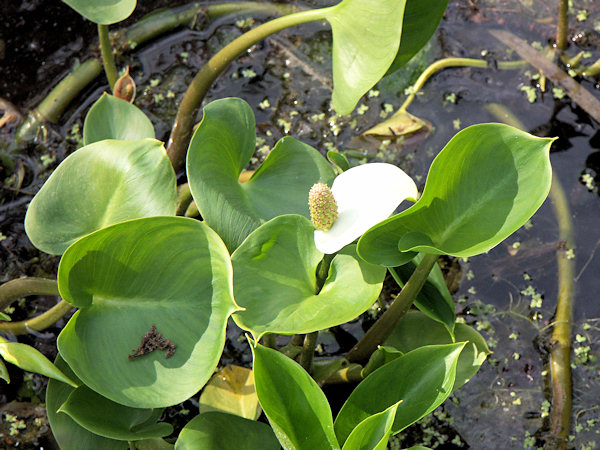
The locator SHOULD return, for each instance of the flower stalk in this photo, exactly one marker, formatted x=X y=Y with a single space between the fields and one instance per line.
x=384 y=326
x=108 y=57
x=310 y=340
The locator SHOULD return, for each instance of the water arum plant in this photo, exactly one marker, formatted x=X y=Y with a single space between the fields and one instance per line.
x=154 y=292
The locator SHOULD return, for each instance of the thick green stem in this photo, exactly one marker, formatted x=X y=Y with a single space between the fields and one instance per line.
x=446 y=63
x=563 y=24
x=153 y=25
x=384 y=326
x=310 y=340
x=184 y=199
x=108 y=58
x=52 y=107
x=38 y=323
x=560 y=352
x=270 y=340
x=186 y=115
x=23 y=287
x=308 y=351
x=349 y=374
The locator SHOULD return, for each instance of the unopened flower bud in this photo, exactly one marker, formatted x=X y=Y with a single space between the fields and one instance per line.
x=125 y=87
x=323 y=208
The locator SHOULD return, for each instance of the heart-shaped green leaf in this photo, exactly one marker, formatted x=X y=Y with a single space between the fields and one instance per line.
x=114 y=118
x=366 y=38
x=485 y=184
x=433 y=299
x=220 y=149
x=231 y=390
x=31 y=360
x=101 y=184
x=106 y=418
x=421 y=19
x=103 y=11
x=69 y=434
x=423 y=379
x=296 y=407
x=374 y=432
x=275 y=280
x=132 y=281
x=214 y=430
x=416 y=330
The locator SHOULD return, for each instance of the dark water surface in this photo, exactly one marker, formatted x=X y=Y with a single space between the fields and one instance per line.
x=508 y=294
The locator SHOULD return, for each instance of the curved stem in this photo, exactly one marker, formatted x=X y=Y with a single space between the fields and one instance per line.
x=186 y=115
x=23 y=287
x=149 y=27
x=38 y=323
x=384 y=326
x=108 y=58
x=454 y=62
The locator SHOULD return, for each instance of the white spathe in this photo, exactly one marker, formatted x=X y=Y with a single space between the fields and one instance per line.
x=365 y=195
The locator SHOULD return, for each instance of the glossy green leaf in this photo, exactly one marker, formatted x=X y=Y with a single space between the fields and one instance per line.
x=4 y=372
x=423 y=379
x=421 y=19
x=153 y=444
x=485 y=184
x=380 y=357
x=101 y=184
x=103 y=11
x=28 y=358
x=106 y=418
x=68 y=434
x=221 y=148
x=366 y=38
x=113 y=118
x=275 y=280
x=416 y=330
x=296 y=407
x=339 y=160
x=5 y=317
x=374 y=432
x=173 y=273
x=433 y=299
x=231 y=390
x=217 y=430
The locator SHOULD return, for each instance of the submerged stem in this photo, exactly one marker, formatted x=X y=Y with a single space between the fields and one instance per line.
x=108 y=58
x=563 y=24
x=446 y=63
x=560 y=352
x=186 y=115
x=384 y=326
